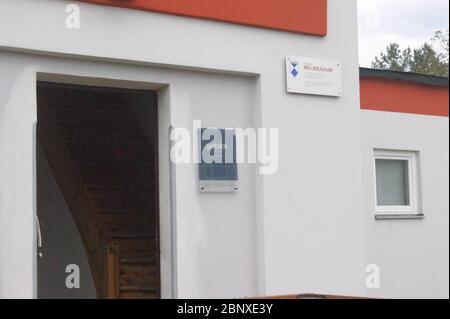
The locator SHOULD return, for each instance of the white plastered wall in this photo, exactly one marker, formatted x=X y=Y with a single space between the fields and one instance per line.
x=297 y=231
x=413 y=255
x=208 y=234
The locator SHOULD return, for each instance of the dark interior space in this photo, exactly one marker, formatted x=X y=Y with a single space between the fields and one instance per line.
x=97 y=176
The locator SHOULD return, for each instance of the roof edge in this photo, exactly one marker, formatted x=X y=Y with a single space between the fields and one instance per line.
x=423 y=79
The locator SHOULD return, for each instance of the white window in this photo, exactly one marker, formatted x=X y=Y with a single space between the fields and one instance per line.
x=396 y=181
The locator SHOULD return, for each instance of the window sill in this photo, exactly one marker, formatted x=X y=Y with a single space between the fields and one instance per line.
x=399 y=216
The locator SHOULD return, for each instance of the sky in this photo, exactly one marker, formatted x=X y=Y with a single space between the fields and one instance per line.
x=408 y=22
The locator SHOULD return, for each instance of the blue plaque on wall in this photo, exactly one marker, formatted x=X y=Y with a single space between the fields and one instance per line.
x=218 y=167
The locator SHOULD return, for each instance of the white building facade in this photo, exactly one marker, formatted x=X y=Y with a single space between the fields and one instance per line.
x=311 y=227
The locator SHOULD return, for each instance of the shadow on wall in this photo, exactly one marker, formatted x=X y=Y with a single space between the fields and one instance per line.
x=62 y=245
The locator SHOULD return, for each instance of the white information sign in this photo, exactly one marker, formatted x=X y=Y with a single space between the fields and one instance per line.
x=312 y=76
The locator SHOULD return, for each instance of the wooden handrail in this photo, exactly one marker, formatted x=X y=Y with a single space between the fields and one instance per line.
x=111 y=280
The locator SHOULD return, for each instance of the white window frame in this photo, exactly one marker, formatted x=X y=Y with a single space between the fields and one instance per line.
x=411 y=158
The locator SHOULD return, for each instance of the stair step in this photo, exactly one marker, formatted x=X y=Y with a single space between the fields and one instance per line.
x=89 y=113
x=139 y=295
x=141 y=291
x=132 y=234
x=130 y=229
x=85 y=98
x=88 y=119
x=105 y=204
x=117 y=212
x=138 y=260
x=99 y=123
x=106 y=153
x=147 y=217
x=103 y=134
x=139 y=287
x=115 y=206
x=122 y=200
x=135 y=247
x=141 y=165
x=127 y=232
x=122 y=192
x=123 y=195
x=129 y=187
x=112 y=158
x=111 y=176
x=88 y=143
x=138 y=274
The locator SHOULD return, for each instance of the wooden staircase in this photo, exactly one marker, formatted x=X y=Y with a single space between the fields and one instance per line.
x=105 y=165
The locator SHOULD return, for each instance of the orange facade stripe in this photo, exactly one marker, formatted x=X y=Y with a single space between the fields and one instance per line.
x=302 y=16
x=403 y=97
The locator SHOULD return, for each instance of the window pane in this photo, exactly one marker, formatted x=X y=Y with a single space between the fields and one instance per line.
x=392 y=182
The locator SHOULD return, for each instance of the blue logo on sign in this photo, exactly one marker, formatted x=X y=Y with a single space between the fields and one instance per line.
x=294 y=69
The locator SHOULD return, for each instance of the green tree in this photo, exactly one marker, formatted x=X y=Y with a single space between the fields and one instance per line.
x=424 y=60
x=394 y=59
x=441 y=40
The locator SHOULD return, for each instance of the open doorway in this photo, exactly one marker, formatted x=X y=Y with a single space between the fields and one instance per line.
x=97 y=192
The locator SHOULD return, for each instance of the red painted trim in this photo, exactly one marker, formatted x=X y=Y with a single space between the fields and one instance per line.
x=302 y=16
x=404 y=97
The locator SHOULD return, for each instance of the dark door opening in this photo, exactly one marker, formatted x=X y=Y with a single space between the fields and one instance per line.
x=97 y=192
